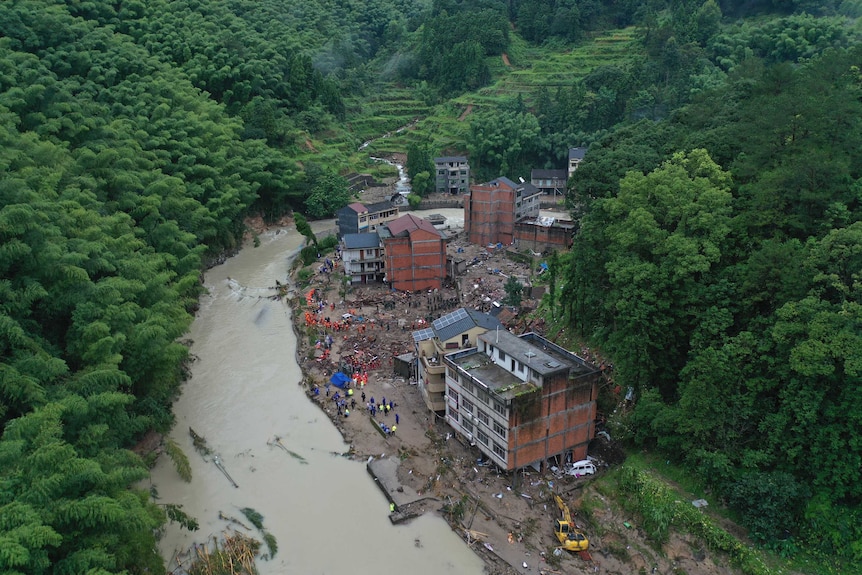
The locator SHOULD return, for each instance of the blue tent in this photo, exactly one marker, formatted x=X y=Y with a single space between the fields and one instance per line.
x=338 y=379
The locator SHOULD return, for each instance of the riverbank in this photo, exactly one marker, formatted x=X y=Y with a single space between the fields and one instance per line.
x=505 y=519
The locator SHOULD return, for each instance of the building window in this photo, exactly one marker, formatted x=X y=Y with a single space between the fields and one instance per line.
x=500 y=408
x=467 y=426
x=453 y=415
x=502 y=355
x=469 y=387
x=483 y=417
x=499 y=430
x=453 y=397
x=482 y=436
x=498 y=449
x=452 y=373
x=467 y=406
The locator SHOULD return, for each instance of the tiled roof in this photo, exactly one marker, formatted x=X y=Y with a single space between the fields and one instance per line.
x=408 y=223
x=361 y=241
x=577 y=153
x=462 y=320
x=549 y=174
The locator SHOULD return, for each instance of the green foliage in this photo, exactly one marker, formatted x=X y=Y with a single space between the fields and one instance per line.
x=414 y=200
x=768 y=503
x=271 y=543
x=660 y=509
x=503 y=144
x=514 y=292
x=303 y=227
x=329 y=193
x=181 y=461
x=419 y=168
x=253 y=516
x=176 y=513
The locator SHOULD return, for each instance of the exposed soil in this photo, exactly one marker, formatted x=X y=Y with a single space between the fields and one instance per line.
x=506 y=60
x=505 y=518
x=465 y=113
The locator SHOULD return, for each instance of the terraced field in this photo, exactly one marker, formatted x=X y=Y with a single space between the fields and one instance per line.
x=446 y=125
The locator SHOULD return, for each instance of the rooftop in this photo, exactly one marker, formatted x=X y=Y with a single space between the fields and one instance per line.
x=549 y=174
x=499 y=381
x=408 y=223
x=455 y=323
x=541 y=355
x=361 y=241
x=577 y=153
x=447 y=159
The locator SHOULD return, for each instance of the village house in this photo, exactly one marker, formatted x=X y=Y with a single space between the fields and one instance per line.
x=550 y=182
x=362 y=255
x=414 y=254
x=451 y=332
x=491 y=210
x=543 y=234
x=452 y=175
x=576 y=156
x=359 y=218
x=522 y=400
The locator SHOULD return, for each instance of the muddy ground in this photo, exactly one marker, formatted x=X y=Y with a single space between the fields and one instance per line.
x=505 y=518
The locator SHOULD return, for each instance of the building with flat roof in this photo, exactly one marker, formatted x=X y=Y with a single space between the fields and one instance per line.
x=451 y=332
x=522 y=400
x=451 y=175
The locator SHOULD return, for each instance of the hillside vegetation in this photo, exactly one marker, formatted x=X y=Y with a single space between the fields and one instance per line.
x=717 y=260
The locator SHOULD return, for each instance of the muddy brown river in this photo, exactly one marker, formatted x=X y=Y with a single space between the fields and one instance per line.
x=326 y=513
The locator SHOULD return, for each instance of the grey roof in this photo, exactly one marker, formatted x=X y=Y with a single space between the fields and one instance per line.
x=506 y=181
x=361 y=241
x=577 y=153
x=446 y=159
x=543 y=360
x=528 y=189
x=379 y=206
x=462 y=320
x=546 y=174
x=455 y=323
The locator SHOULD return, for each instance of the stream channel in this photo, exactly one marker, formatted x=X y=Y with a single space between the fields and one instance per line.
x=325 y=512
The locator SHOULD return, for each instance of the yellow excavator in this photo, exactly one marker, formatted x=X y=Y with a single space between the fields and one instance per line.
x=571 y=539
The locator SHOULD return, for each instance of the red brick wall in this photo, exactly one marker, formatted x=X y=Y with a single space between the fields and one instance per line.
x=415 y=262
x=489 y=215
x=560 y=421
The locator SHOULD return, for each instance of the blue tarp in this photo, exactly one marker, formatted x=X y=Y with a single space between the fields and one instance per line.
x=338 y=379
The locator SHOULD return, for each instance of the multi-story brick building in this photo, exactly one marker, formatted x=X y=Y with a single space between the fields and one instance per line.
x=452 y=175
x=359 y=218
x=451 y=332
x=415 y=254
x=491 y=210
x=522 y=400
x=363 y=257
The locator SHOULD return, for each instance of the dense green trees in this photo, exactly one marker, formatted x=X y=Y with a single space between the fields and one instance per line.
x=733 y=309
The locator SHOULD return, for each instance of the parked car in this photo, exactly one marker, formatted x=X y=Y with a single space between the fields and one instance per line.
x=580 y=468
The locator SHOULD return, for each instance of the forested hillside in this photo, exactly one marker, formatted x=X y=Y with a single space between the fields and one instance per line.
x=717 y=260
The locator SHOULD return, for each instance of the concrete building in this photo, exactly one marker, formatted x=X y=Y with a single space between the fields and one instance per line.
x=451 y=332
x=550 y=182
x=491 y=210
x=544 y=233
x=576 y=156
x=359 y=218
x=363 y=257
x=522 y=400
x=452 y=175
x=414 y=254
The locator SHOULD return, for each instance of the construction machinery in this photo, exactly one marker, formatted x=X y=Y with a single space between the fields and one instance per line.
x=571 y=539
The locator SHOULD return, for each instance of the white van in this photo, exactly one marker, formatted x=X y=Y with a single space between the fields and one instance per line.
x=582 y=467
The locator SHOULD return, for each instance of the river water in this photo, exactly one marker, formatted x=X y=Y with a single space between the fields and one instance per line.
x=327 y=514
